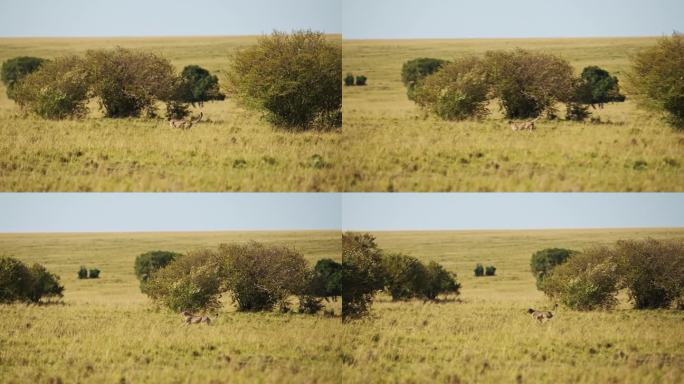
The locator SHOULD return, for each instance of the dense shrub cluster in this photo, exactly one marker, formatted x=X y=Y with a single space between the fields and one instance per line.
x=58 y=90
x=363 y=274
x=149 y=262
x=257 y=277
x=459 y=90
x=19 y=282
x=16 y=69
x=545 y=260
x=85 y=273
x=652 y=272
x=367 y=270
x=657 y=78
x=414 y=71
x=296 y=79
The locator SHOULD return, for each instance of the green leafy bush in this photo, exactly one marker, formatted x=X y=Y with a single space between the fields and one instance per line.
x=458 y=91
x=651 y=270
x=18 y=282
x=200 y=85
x=363 y=274
x=94 y=273
x=414 y=71
x=15 y=69
x=479 y=270
x=58 y=90
x=326 y=280
x=656 y=78
x=490 y=270
x=190 y=282
x=361 y=80
x=528 y=83
x=439 y=281
x=349 y=80
x=148 y=263
x=586 y=281
x=296 y=79
x=543 y=261
x=128 y=83
x=83 y=272
x=405 y=276
x=260 y=276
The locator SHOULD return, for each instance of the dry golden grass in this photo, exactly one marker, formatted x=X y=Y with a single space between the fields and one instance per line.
x=233 y=150
x=108 y=331
x=389 y=144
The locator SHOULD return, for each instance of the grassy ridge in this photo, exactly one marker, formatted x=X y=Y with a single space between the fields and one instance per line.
x=390 y=145
x=234 y=150
x=109 y=332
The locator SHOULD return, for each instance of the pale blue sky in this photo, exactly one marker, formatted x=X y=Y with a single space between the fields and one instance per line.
x=394 y=19
x=132 y=212
x=433 y=211
x=124 y=212
x=165 y=17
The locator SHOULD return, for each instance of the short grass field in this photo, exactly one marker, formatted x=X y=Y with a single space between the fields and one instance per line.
x=108 y=332
x=486 y=336
x=233 y=150
x=389 y=144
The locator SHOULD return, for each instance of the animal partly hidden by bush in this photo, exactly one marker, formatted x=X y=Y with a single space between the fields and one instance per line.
x=656 y=78
x=20 y=282
x=148 y=263
x=414 y=71
x=16 y=69
x=652 y=272
x=295 y=79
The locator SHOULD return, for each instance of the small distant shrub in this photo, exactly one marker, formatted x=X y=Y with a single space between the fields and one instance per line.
x=490 y=270
x=652 y=271
x=128 y=83
x=414 y=71
x=439 y=281
x=656 y=78
x=586 y=281
x=363 y=274
x=543 y=261
x=149 y=262
x=404 y=276
x=528 y=83
x=458 y=91
x=260 y=276
x=82 y=273
x=295 y=79
x=361 y=80
x=94 y=273
x=479 y=270
x=15 y=69
x=349 y=80
x=57 y=90
x=19 y=282
x=191 y=282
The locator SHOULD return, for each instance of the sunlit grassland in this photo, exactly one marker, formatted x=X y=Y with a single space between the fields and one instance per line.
x=389 y=144
x=232 y=150
x=487 y=336
x=107 y=331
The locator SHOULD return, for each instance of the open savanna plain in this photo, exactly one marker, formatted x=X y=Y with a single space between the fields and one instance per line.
x=389 y=144
x=231 y=150
x=107 y=331
x=486 y=336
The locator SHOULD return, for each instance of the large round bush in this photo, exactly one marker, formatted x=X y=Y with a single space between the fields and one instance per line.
x=295 y=79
